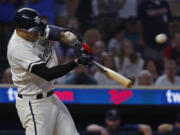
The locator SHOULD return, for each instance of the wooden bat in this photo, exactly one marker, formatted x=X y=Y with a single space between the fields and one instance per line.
x=114 y=75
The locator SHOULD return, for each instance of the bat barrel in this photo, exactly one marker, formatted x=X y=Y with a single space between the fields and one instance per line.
x=128 y=84
x=114 y=75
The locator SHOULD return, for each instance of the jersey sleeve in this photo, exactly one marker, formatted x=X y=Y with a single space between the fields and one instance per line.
x=26 y=58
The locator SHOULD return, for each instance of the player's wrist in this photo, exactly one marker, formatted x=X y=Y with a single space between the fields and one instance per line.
x=71 y=38
x=77 y=49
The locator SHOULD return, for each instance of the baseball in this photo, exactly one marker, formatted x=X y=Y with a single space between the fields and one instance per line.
x=161 y=38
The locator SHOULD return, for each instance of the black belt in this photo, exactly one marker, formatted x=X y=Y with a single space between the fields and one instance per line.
x=40 y=95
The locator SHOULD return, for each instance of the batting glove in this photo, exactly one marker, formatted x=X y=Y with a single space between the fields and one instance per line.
x=77 y=49
x=85 y=60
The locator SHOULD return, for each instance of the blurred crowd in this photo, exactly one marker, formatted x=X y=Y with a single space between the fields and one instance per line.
x=121 y=34
x=114 y=125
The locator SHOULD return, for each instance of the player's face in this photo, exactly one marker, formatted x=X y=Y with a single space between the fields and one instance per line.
x=145 y=80
x=128 y=49
x=170 y=70
x=31 y=36
x=151 y=66
x=113 y=124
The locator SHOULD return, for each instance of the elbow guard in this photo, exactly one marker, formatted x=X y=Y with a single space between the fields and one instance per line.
x=55 y=32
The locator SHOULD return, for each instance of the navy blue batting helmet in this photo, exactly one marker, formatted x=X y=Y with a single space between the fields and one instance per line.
x=29 y=19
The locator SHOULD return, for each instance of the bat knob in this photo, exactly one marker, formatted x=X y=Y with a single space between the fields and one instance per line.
x=129 y=84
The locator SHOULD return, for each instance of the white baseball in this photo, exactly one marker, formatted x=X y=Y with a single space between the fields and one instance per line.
x=161 y=38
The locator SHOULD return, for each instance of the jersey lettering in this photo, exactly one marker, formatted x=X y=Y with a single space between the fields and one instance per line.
x=47 y=51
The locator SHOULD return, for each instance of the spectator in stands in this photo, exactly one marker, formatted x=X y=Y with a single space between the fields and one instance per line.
x=105 y=9
x=114 y=126
x=167 y=127
x=154 y=17
x=144 y=78
x=102 y=79
x=128 y=8
x=130 y=64
x=98 y=49
x=91 y=13
x=105 y=16
x=80 y=76
x=94 y=128
x=151 y=66
x=169 y=78
x=131 y=33
x=7 y=76
x=82 y=9
x=173 y=51
x=115 y=42
x=91 y=36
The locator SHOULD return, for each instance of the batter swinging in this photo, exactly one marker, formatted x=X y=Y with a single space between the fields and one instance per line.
x=34 y=66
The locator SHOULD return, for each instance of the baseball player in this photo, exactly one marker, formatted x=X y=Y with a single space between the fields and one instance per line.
x=34 y=66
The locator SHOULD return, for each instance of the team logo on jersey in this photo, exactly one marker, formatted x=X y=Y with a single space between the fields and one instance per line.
x=47 y=50
x=44 y=43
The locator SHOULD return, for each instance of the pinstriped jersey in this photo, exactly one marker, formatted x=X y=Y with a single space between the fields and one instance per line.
x=22 y=56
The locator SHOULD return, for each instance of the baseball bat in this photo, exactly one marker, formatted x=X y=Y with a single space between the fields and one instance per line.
x=114 y=75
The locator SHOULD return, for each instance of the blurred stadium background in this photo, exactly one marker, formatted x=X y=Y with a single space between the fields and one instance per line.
x=121 y=34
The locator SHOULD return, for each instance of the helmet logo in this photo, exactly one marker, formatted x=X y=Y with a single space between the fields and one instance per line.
x=37 y=19
x=25 y=17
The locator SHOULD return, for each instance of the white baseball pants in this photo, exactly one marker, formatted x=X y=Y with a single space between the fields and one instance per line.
x=46 y=116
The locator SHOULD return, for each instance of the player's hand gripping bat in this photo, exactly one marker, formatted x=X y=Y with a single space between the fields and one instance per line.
x=110 y=73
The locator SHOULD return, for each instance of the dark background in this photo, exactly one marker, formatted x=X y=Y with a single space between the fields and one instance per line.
x=88 y=114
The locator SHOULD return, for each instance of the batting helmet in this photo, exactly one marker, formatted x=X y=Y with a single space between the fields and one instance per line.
x=29 y=19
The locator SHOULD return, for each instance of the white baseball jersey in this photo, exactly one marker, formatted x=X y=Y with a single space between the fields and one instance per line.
x=23 y=55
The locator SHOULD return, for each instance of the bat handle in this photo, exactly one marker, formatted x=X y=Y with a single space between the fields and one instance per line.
x=99 y=65
x=94 y=62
